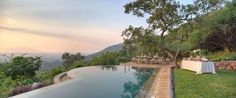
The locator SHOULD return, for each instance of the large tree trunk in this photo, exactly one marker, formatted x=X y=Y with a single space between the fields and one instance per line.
x=163 y=48
x=176 y=56
x=171 y=56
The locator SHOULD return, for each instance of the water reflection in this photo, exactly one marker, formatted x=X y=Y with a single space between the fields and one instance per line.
x=99 y=82
x=109 y=67
x=131 y=89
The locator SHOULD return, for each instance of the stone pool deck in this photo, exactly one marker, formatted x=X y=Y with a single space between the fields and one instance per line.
x=163 y=87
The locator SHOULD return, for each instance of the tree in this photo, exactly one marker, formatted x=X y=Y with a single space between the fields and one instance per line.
x=78 y=56
x=66 y=59
x=22 y=67
x=165 y=16
x=69 y=59
x=140 y=41
x=108 y=58
x=222 y=31
x=176 y=40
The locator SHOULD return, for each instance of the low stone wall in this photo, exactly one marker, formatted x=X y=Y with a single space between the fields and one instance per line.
x=58 y=78
x=226 y=65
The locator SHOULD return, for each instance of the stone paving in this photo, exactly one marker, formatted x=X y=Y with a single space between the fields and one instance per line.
x=163 y=87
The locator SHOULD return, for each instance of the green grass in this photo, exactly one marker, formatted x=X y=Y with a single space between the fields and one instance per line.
x=191 y=85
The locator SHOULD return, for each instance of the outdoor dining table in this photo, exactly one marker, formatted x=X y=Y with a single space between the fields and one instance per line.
x=198 y=66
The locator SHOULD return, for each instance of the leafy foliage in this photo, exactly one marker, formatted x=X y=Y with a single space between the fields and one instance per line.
x=222 y=56
x=68 y=59
x=221 y=30
x=20 y=71
x=108 y=58
x=57 y=71
x=140 y=41
x=22 y=67
x=80 y=63
x=165 y=17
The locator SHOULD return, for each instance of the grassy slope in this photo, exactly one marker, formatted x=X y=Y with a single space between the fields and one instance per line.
x=190 y=85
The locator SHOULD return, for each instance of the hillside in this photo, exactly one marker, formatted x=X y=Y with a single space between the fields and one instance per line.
x=112 y=48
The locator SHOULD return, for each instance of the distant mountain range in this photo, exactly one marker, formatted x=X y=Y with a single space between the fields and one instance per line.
x=112 y=48
x=53 y=60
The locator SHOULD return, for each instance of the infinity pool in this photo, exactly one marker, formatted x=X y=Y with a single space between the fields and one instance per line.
x=96 y=82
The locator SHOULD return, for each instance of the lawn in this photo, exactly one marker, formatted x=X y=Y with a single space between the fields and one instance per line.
x=190 y=85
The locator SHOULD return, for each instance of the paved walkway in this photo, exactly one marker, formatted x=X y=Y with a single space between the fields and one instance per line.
x=163 y=86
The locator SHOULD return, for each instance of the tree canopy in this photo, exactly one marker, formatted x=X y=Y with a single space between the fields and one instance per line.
x=165 y=17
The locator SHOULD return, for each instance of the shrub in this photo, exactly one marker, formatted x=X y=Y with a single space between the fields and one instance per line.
x=8 y=83
x=26 y=81
x=80 y=63
x=222 y=56
x=57 y=71
x=108 y=58
x=22 y=66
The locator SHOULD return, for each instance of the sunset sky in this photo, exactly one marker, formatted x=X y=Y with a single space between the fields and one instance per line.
x=63 y=25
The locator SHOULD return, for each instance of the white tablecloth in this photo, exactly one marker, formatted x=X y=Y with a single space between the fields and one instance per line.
x=198 y=66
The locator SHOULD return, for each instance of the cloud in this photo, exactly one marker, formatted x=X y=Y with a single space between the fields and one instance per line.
x=63 y=24
x=41 y=33
x=95 y=37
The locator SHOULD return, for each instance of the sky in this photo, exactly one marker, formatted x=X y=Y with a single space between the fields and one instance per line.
x=60 y=26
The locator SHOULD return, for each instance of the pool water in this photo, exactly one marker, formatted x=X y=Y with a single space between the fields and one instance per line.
x=97 y=82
